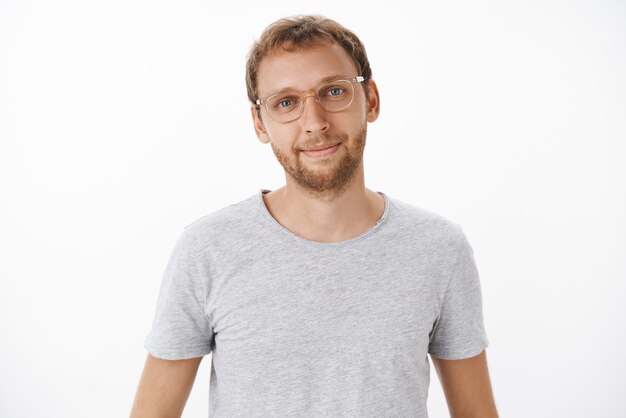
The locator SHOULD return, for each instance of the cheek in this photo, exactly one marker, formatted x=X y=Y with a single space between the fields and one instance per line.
x=282 y=136
x=354 y=122
x=358 y=113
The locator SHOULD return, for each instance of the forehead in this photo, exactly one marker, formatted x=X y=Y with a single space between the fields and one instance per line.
x=304 y=68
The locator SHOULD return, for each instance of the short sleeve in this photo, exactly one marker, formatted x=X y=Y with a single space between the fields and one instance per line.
x=459 y=330
x=181 y=328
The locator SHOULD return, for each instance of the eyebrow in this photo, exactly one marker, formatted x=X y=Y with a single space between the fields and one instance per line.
x=322 y=81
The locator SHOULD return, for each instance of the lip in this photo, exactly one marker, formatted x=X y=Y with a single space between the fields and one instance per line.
x=322 y=152
x=321 y=147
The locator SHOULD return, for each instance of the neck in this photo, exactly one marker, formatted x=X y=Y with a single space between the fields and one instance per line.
x=328 y=216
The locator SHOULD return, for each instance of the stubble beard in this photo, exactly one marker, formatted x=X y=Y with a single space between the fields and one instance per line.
x=312 y=175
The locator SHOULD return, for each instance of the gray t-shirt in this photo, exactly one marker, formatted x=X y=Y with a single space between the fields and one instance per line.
x=299 y=328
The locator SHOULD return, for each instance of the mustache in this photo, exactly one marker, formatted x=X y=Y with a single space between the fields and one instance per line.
x=324 y=139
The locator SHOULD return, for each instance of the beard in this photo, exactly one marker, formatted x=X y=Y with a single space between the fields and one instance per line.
x=326 y=175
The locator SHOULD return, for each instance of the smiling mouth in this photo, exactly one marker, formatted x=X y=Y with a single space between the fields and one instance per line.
x=322 y=151
x=322 y=147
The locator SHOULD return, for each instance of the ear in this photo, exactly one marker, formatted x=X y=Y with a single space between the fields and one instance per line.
x=373 y=101
x=259 y=126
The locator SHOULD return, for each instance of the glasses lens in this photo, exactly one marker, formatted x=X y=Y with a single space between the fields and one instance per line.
x=284 y=107
x=336 y=96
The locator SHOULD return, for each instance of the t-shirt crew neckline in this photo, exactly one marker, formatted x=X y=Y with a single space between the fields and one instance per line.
x=280 y=228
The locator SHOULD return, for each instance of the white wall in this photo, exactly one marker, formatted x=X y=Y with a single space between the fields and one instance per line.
x=123 y=121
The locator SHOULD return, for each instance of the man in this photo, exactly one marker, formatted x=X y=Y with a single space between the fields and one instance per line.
x=321 y=298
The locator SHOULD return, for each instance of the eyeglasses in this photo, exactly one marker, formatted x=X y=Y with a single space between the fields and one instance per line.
x=288 y=105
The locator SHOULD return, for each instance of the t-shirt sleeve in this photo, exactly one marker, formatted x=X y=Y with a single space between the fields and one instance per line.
x=459 y=330
x=181 y=328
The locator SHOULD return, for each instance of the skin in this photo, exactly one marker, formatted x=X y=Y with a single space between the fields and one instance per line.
x=324 y=199
x=164 y=387
x=467 y=387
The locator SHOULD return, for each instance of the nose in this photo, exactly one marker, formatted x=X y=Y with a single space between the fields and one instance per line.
x=313 y=116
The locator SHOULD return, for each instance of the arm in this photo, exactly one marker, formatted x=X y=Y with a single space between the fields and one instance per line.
x=164 y=387
x=466 y=386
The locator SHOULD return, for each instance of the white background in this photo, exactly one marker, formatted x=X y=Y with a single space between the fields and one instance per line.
x=123 y=121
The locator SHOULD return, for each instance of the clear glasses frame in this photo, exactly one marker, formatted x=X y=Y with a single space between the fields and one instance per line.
x=304 y=95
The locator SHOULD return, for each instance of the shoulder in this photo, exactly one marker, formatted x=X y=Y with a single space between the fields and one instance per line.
x=222 y=223
x=426 y=224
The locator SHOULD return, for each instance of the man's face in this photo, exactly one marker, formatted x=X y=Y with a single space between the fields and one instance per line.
x=304 y=70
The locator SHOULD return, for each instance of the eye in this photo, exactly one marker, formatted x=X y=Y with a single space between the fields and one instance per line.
x=335 y=91
x=284 y=103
